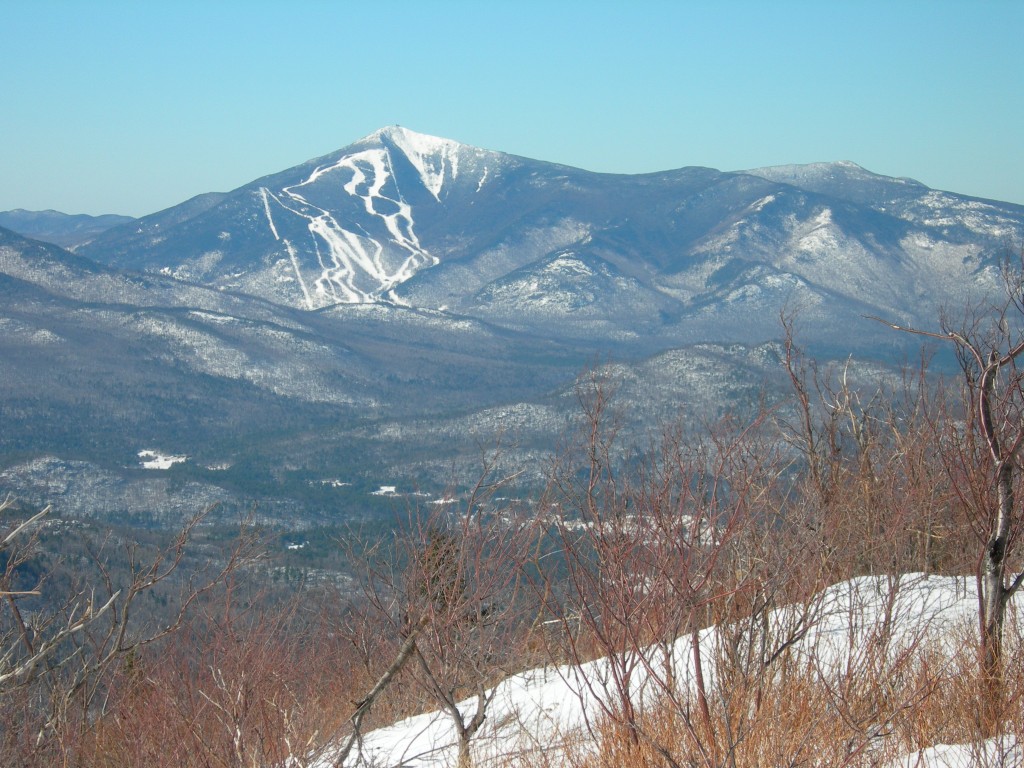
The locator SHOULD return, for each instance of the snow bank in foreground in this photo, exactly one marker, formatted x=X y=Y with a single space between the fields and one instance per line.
x=1005 y=753
x=539 y=711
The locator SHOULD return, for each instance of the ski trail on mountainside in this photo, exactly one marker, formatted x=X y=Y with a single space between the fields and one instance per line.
x=354 y=267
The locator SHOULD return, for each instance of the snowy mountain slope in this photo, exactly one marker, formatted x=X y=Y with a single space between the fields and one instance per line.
x=407 y=219
x=540 y=713
x=75 y=277
x=97 y=361
x=338 y=229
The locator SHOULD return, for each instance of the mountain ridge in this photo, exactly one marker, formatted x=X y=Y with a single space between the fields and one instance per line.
x=407 y=218
x=63 y=229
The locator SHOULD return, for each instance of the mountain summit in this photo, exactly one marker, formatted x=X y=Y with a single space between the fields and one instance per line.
x=435 y=159
x=344 y=228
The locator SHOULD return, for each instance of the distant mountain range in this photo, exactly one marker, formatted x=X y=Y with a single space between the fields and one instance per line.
x=372 y=315
x=63 y=229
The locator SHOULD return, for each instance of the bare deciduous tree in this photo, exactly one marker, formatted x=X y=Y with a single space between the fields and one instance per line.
x=982 y=451
x=645 y=557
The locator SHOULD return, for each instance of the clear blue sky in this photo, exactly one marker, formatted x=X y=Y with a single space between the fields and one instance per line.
x=131 y=107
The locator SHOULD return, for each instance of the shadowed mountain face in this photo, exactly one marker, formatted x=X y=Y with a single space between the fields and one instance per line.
x=383 y=310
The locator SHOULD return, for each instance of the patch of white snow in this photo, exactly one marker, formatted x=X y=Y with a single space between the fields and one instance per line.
x=154 y=460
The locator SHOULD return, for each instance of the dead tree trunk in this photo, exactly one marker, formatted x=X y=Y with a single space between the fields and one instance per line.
x=995 y=593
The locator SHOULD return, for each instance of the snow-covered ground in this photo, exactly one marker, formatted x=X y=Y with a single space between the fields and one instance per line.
x=154 y=460
x=538 y=712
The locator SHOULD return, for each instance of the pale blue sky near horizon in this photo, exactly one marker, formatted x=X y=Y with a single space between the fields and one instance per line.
x=132 y=107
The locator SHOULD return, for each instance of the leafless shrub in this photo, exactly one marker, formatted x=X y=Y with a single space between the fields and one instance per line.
x=61 y=662
x=446 y=594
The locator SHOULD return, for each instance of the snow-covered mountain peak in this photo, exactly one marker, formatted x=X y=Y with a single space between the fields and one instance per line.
x=413 y=142
x=813 y=171
x=813 y=175
x=846 y=180
x=435 y=158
